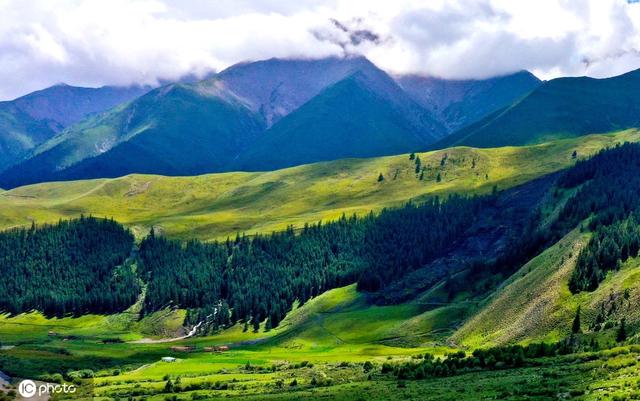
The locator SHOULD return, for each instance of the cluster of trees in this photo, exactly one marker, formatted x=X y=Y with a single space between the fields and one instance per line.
x=260 y=277
x=608 y=248
x=481 y=359
x=609 y=184
x=70 y=267
x=401 y=240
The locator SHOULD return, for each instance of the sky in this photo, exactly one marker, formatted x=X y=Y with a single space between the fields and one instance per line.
x=124 y=42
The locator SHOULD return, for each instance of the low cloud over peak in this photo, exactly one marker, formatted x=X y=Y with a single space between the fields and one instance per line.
x=124 y=42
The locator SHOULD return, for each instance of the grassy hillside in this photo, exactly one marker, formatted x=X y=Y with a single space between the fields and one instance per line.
x=220 y=205
x=319 y=353
x=535 y=304
x=560 y=108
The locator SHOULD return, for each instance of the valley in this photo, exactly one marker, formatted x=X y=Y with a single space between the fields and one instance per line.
x=323 y=229
x=343 y=341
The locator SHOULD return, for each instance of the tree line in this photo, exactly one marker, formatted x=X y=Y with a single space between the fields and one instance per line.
x=72 y=267
x=607 y=185
x=258 y=278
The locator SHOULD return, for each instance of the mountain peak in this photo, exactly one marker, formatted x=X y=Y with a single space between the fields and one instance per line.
x=277 y=86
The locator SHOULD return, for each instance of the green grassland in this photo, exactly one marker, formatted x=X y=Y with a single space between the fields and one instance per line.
x=318 y=351
x=219 y=205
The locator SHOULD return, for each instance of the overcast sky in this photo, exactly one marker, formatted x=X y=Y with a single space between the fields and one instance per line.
x=121 y=42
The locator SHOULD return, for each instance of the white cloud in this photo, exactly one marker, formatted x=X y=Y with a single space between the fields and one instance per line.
x=93 y=42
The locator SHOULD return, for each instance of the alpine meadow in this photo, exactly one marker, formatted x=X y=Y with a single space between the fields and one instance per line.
x=319 y=200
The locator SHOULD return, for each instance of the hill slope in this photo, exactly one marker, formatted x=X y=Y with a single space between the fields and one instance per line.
x=559 y=108
x=459 y=103
x=32 y=119
x=177 y=129
x=220 y=205
x=363 y=115
x=276 y=87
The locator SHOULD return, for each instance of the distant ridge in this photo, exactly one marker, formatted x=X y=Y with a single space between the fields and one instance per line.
x=560 y=108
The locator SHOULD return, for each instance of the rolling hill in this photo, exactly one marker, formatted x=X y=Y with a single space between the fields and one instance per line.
x=220 y=205
x=338 y=344
x=560 y=108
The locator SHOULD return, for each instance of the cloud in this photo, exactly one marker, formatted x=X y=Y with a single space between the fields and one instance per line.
x=121 y=42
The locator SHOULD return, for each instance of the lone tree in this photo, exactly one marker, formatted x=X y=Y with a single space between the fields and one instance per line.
x=380 y=178
x=575 y=328
x=418 y=164
x=622 y=331
x=574 y=154
x=412 y=156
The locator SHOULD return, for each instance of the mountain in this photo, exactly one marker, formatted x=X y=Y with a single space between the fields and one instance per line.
x=63 y=105
x=563 y=107
x=19 y=132
x=209 y=126
x=364 y=115
x=32 y=119
x=457 y=103
x=177 y=129
x=276 y=87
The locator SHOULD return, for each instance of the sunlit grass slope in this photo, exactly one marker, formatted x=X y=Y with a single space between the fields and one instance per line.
x=535 y=304
x=220 y=205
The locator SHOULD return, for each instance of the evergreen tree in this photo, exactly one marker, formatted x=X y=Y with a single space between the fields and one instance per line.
x=575 y=327
x=380 y=178
x=621 y=336
x=412 y=156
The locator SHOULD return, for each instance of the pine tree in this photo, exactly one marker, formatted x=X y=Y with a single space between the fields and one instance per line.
x=418 y=164
x=622 y=331
x=438 y=178
x=412 y=156
x=380 y=178
x=575 y=328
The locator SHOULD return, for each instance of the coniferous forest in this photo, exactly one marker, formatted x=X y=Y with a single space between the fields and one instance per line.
x=72 y=267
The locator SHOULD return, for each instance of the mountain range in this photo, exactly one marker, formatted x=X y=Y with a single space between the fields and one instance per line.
x=276 y=113
x=253 y=116
x=563 y=107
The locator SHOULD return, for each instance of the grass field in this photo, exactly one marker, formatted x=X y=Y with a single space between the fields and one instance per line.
x=219 y=205
x=319 y=350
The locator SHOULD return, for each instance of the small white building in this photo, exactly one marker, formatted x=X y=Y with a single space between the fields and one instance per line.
x=168 y=359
